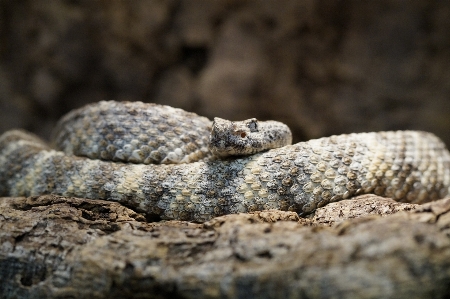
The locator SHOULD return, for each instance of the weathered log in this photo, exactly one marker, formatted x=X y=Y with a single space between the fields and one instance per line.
x=55 y=247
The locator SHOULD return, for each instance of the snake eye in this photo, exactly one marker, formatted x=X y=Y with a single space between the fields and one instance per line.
x=243 y=134
x=253 y=125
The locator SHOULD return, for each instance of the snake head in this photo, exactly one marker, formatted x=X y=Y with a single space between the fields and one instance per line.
x=238 y=138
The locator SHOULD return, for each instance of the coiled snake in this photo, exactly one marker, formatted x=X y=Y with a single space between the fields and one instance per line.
x=229 y=177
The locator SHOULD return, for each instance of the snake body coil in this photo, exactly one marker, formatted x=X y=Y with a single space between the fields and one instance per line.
x=408 y=166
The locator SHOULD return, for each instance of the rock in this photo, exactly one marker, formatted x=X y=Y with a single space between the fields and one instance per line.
x=363 y=205
x=55 y=247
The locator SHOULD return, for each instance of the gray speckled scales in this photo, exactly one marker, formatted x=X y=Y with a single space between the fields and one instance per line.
x=134 y=132
x=408 y=166
x=149 y=133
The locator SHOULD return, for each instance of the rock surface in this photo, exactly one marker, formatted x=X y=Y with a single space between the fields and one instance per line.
x=54 y=247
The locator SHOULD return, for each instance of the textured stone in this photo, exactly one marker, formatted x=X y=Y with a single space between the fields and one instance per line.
x=55 y=247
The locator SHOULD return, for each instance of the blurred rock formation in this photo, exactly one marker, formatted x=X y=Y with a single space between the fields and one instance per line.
x=323 y=67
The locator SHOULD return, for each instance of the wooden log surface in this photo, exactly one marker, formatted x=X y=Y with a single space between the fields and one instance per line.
x=370 y=247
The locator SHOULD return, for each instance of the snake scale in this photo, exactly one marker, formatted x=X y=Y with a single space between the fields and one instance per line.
x=408 y=166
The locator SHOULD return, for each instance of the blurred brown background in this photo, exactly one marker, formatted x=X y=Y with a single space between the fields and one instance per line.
x=323 y=67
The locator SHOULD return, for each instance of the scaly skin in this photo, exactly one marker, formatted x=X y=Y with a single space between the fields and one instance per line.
x=408 y=166
x=148 y=133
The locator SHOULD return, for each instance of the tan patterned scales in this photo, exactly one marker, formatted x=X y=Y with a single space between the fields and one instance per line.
x=409 y=166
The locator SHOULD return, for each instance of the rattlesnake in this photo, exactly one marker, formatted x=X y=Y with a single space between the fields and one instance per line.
x=410 y=166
